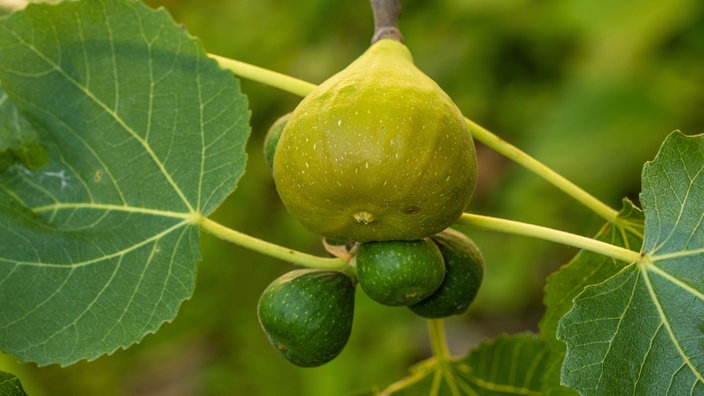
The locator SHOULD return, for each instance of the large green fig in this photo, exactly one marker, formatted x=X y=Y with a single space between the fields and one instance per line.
x=399 y=272
x=464 y=270
x=377 y=152
x=307 y=315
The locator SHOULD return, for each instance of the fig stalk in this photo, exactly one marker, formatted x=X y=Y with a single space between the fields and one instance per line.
x=386 y=14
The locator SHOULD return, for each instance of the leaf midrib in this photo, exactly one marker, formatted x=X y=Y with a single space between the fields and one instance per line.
x=111 y=208
x=663 y=318
x=118 y=253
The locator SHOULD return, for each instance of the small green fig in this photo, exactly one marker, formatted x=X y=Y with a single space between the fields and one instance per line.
x=399 y=273
x=271 y=140
x=307 y=315
x=464 y=270
x=377 y=152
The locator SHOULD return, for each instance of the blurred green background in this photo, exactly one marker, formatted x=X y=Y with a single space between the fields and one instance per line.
x=590 y=88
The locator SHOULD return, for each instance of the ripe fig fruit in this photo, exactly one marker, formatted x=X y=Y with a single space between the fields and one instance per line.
x=271 y=140
x=377 y=152
x=464 y=270
x=307 y=315
x=399 y=272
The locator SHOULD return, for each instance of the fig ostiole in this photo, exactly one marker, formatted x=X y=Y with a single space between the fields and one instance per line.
x=307 y=315
x=377 y=152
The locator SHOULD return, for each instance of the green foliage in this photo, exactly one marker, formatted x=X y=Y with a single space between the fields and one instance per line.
x=508 y=365
x=555 y=89
x=143 y=134
x=651 y=311
x=10 y=385
x=588 y=268
x=585 y=269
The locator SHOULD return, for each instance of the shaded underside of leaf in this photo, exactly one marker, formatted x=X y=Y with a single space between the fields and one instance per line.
x=642 y=330
x=587 y=268
x=507 y=365
x=10 y=385
x=144 y=134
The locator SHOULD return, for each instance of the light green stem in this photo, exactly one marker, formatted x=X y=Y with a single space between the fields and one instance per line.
x=264 y=76
x=438 y=342
x=549 y=234
x=443 y=369
x=513 y=153
x=270 y=249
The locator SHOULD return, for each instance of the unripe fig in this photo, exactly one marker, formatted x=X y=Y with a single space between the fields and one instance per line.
x=464 y=270
x=307 y=315
x=399 y=272
x=271 y=140
x=377 y=152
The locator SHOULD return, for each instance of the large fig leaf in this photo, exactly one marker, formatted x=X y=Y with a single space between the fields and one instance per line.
x=641 y=331
x=144 y=135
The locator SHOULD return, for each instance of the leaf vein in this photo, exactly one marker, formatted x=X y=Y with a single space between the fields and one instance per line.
x=666 y=323
x=102 y=258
